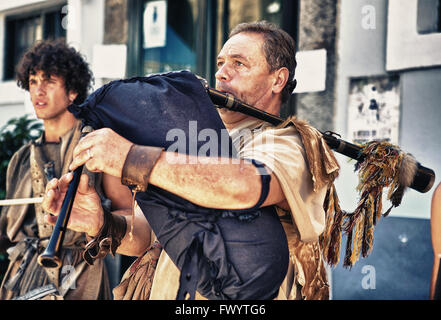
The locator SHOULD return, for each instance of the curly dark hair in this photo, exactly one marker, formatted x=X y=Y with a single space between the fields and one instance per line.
x=279 y=49
x=54 y=57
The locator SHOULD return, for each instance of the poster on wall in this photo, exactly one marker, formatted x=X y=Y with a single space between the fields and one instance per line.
x=155 y=24
x=374 y=109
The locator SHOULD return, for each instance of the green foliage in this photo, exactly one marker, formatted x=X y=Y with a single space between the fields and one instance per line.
x=14 y=134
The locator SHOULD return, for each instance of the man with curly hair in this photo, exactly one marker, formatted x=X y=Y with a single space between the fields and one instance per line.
x=55 y=75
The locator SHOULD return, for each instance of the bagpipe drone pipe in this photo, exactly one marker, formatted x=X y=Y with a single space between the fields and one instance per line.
x=223 y=254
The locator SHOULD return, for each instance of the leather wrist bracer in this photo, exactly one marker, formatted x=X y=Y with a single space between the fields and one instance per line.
x=108 y=238
x=138 y=166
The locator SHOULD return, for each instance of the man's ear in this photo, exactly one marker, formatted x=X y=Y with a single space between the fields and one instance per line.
x=72 y=96
x=281 y=77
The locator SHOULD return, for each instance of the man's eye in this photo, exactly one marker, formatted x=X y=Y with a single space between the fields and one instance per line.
x=219 y=64
x=238 y=63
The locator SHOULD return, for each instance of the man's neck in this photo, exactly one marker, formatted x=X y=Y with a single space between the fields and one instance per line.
x=54 y=129
x=231 y=125
x=274 y=109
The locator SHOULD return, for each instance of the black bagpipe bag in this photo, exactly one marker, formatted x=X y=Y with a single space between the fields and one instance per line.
x=222 y=254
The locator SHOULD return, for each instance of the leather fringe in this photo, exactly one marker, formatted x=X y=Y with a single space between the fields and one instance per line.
x=322 y=163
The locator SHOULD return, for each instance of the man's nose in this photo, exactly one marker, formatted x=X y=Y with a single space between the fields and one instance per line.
x=223 y=73
x=40 y=89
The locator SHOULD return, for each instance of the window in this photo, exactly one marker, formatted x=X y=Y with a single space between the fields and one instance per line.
x=167 y=35
x=232 y=13
x=406 y=46
x=23 y=30
x=428 y=16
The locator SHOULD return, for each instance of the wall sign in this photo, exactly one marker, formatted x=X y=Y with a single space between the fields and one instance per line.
x=155 y=24
x=311 y=71
x=374 y=109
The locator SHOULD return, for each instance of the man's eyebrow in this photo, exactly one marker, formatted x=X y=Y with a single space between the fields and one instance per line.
x=238 y=56
x=233 y=56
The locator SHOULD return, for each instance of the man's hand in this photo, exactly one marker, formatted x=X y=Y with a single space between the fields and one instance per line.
x=87 y=214
x=102 y=150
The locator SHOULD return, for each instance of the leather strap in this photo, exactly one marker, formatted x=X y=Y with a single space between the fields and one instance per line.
x=138 y=166
x=108 y=238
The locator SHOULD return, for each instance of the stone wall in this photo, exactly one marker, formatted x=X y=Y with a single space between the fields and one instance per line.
x=116 y=23
x=317 y=30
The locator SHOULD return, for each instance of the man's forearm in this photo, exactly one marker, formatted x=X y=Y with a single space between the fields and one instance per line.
x=141 y=235
x=208 y=182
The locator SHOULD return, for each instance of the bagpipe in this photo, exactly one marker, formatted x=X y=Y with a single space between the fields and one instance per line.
x=224 y=254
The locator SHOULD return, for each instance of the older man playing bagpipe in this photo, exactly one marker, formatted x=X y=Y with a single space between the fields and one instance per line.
x=236 y=218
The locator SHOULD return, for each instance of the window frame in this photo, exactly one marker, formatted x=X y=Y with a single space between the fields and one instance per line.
x=206 y=50
x=11 y=57
x=203 y=48
x=405 y=47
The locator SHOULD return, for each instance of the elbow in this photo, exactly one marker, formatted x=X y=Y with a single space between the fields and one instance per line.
x=140 y=253
x=136 y=250
x=246 y=194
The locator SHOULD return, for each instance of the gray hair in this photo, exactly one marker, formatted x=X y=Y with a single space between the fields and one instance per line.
x=278 y=47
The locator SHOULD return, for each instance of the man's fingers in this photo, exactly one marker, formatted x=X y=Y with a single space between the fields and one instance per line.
x=82 y=152
x=48 y=201
x=80 y=159
x=83 y=186
x=53 y=184
x=51 y=219
x=63 y=184
x=92 y=139
x=51 y=192
x=84 y=143
x=54 y=190
x=86 y=158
